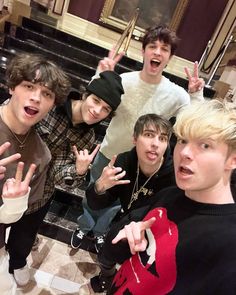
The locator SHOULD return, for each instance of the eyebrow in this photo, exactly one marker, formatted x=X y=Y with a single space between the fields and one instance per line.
x=154 y=131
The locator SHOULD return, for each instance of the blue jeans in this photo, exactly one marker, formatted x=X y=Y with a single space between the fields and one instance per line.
x=97 y=221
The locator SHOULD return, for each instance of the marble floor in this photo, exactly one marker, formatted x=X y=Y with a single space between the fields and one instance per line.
x=56 y=268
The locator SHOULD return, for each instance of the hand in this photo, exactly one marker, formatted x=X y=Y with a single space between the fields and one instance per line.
x=110 y=177
x=135 y=235
x=109 y=63
x=15 y=187
x=84 y=159
x=194 y=82
x=7 y=160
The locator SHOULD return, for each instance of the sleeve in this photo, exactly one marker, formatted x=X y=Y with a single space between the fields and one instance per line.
x=99 y=201
x=12 y=209
x=118 y=253
x=65 y=174
x=196 y=96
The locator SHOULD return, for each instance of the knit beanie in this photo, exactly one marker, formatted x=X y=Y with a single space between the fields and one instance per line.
x=108 y=87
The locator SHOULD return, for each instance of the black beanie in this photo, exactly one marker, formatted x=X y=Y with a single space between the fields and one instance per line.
x=108 y=87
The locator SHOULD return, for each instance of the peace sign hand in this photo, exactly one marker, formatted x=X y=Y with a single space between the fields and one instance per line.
x=110 y=177
x=108 y=63
x=84 y=159
x=7 y=160
x=194 y=82
x=16 y=187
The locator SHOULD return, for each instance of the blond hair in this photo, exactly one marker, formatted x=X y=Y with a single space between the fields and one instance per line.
x=208 y=119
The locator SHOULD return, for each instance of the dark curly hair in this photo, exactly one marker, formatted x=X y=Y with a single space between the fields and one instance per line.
x=162 y=33
x=38 y=69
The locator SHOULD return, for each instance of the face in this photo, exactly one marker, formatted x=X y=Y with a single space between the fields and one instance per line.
x=201 y=166
x=30 y=103
x=94 y=109
x=151 y=146
x=156 y=56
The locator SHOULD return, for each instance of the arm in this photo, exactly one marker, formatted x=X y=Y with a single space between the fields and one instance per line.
x=134 y=233
x=15 y=195
x=100 y=194
x=66 y=165
x=109 y=62
x=195 y=84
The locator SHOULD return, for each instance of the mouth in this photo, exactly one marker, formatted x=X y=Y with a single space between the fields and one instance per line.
x=155 y=63
x=152 y=155
x=31 y=111
x=185 y=170
x=94 y=117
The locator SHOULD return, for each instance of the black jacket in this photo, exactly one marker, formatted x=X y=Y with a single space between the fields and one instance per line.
x=128 y=161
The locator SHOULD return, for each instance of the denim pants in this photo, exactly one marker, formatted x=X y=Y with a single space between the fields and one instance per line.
x=97 y=221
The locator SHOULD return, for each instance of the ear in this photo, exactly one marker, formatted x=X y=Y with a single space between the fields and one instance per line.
x=11 y=91
x=134 y=140
x=231 y=162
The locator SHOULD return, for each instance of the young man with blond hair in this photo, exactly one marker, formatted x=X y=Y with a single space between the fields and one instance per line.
x=186 y=243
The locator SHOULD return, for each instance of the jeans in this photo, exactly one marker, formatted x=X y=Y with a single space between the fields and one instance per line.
x=97 y=221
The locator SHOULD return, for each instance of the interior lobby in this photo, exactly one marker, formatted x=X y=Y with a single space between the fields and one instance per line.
x=76 y=34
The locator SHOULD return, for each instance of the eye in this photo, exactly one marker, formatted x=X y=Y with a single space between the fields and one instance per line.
x=181 y=141
x=148 y=134
x=205 y=146
x=107 y=110
x=163 y=138
x=47 y=94
x=28 y=86
x=96 y=100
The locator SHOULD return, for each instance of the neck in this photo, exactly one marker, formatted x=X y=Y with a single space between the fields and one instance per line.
x=76 y=111
x=217 y=195
x=11 y=120
x=148 y=170
x=149 y=78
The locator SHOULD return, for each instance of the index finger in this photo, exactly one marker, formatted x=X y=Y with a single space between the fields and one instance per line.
x=75 y=151
x=30 y=174
x=148 y=223
x=112 y=162
x=94 y=152
x=19 y=172
x=187 y=72
x=10 y=159
x=115 y=56
x=4 y=147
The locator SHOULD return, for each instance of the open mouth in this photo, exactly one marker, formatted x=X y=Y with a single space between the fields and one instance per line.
x=152 y=155
x=185 y=170
x=31 y=111
x=155 y=63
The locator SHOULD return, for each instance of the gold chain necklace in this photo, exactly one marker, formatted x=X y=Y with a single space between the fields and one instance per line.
x=135 y=195
x=21 y=143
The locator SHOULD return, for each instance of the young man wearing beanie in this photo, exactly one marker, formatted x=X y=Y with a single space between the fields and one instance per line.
x=68 y=131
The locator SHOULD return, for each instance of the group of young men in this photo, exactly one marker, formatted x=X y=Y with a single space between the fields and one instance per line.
x=169 y=239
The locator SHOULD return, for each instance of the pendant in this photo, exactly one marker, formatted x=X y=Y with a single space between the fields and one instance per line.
x=21 y=146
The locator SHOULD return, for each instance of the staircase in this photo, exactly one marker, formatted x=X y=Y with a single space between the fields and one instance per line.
x=79 y=58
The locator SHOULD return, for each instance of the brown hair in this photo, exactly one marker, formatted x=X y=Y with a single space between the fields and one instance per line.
x=162 y=33
x=161 y=124
x=36 y=68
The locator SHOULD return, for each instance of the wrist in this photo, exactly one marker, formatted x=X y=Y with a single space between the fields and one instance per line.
x=99 y=188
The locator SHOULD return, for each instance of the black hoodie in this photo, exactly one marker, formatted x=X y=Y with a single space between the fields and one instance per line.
x=128 y=161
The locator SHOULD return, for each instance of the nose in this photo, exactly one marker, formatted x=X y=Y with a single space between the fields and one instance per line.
x=157 y=50
x=155 y=141
x=186 y=152
x=35 y=95
x=98 y=109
